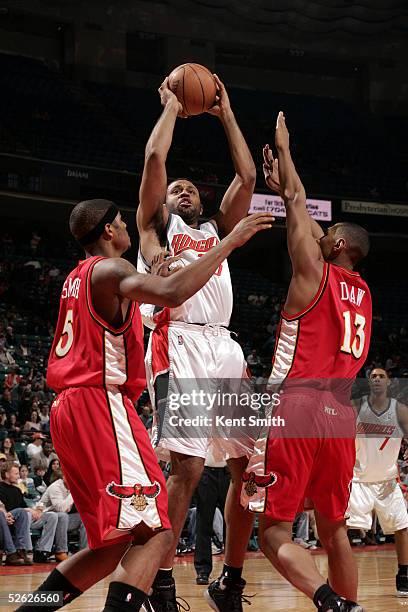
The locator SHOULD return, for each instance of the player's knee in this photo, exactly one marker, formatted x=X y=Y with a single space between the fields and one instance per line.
x=166 y=539
x=271 y=538
x=187 y=471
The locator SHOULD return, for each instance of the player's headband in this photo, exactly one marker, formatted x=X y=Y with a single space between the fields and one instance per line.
x=97 y=231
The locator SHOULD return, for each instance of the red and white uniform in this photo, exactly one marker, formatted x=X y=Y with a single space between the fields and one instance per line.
x=191 y=346
x=103 y=446
x=318 y=354
x=375 y=480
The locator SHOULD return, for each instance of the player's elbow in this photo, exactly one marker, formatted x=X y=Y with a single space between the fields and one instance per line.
x=248 y=177
x=173 y=297
x=289 y=195
x=153 y=155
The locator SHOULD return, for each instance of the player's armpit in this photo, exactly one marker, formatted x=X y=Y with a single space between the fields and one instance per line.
x=150 y=245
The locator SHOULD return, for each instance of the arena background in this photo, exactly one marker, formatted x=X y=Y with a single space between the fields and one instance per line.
x=78 y=99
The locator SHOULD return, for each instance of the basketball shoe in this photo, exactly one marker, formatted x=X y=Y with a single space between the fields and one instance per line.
x=402 y=585
x=163 y=598
x=335 y=603
x=225 y=596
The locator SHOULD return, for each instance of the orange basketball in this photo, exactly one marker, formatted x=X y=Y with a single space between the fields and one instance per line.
x=194 y=86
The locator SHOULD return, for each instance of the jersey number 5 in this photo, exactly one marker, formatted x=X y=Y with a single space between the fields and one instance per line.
x=67 y=336
x=356 y=348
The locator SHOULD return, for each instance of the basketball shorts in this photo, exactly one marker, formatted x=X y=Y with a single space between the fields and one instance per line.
x=385 y=498
x=186 y=366
x=310 y=454
x=109 y=464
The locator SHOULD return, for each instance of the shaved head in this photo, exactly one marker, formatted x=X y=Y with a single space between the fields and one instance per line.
x=357 y=240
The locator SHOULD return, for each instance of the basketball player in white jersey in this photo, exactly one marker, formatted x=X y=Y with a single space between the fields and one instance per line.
x=382 y=422
x=192 y=342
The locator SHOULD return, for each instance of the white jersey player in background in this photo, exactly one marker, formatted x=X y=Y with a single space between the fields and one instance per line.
x=192 y=342
x=382 y=422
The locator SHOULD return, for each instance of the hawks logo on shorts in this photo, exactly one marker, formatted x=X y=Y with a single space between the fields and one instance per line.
x=137 y=492
x=252 y=481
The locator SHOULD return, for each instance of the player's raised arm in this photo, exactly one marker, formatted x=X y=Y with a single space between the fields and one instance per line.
x=151 y=213
x=175 y=289
x=237 y=199
x=303 y=247
x=271 y=174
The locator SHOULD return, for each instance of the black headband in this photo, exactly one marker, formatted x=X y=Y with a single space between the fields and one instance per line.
x=97 y=231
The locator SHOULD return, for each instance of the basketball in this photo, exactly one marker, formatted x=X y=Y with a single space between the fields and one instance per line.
x=194 y=86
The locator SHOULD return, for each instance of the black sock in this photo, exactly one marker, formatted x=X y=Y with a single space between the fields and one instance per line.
x=322 y=594
x=54 y=582
x=123 y=597
x=403 y=570
x=233 y=573
x=164 y=574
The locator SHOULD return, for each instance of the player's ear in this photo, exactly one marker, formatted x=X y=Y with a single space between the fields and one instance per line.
x=340 y=245
x=108 y=232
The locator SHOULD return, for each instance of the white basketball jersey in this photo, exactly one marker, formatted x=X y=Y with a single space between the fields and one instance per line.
x=378 y=443
x=213 y=303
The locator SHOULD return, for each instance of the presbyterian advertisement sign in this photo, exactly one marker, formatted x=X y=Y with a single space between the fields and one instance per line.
x=321 y=210
x=374 y=208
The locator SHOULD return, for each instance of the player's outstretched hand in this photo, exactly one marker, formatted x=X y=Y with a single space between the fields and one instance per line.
x=164 y=265
x=168 y=97
x=271 y=169
x=222 y=104
x=247 y=227
x=281 y=134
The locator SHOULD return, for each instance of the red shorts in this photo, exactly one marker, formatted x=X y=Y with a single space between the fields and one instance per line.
x=312 y=456
x=109 y=464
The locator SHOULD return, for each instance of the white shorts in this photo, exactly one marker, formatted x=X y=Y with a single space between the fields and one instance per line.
x=183 y=359
x=385 y=498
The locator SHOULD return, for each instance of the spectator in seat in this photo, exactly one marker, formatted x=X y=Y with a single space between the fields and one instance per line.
x=22 y=348
x=35 y=448
x=15 y=510
x=44 y=414
x=3 y=428
x=12 y=379
x=6 y=357
x=34 y=423
x=48 y=453
x=39 y=469
x=6 y=521
x=10 y=336
x=52 y=472
x=57 y=498
x=26 y=484
x=147 y=415
x=7 y=447
x=253 y=358
x=50 y=523
x=6 y=401
x=13 y=426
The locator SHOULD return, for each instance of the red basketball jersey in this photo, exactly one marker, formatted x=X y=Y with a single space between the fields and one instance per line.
x=87 y=351
x=330 y=338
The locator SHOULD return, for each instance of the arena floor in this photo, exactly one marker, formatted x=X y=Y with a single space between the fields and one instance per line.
x=377 y=567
